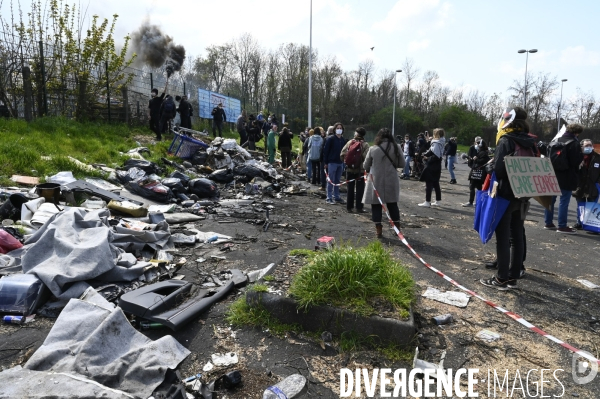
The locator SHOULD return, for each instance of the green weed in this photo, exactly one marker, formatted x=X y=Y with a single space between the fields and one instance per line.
x=240 y=314
x=308 y=253
x=354 y=278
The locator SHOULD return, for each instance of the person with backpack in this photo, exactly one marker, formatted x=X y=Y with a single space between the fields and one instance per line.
x=566 y=157
x=478 y=173
x=284 y=144
x=354 y=154
x=315 y=145
x=167 y=112
x=219 y=116
x=433 y=168
x=333 y=164
x=305 y=156
x=513 y=140
x=381 y=163
x=589 y=176
x=409 y=151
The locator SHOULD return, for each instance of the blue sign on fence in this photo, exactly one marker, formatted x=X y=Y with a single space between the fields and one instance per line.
x=207 y=100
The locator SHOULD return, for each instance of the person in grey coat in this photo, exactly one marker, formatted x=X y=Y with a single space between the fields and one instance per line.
x=382 y=162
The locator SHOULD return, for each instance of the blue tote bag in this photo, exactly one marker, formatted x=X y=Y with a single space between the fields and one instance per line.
x=589 y=214
x=488 y=212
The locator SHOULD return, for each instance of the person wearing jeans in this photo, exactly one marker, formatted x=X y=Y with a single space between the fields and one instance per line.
x=333 y=164
x=563 y=210
x=409 y=150
x=354 y=170
x=451 y=157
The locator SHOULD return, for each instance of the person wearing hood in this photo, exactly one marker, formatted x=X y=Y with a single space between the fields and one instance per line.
x=513 y=129
x=433 y=168
x=314 y=147
x=333 y=164
x=382 y=162
x=567 y=179
x=589 y=176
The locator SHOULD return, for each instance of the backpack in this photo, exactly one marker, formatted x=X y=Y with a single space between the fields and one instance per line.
x=557 y=152
x=315 y=147
x=353 y=157
x=169 y=107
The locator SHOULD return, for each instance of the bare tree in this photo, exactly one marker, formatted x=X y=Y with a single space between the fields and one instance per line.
x=409 y=75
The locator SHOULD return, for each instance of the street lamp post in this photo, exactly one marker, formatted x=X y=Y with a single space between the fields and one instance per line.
x=310 y=72
x=526 y=60
x=560 y=103
x=394 y=108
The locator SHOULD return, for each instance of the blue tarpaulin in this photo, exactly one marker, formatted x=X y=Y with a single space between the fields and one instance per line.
x=207 y=100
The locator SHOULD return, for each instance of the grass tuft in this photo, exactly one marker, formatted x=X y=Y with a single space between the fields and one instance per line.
x=240 y=314
x=355 y=279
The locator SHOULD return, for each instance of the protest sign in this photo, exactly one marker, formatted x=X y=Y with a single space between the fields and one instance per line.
x=531 y=176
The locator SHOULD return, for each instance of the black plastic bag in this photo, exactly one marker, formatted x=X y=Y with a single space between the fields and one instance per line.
x=222 y=176
x=199 y=158
x=125 y=176
x=174 y=184
x=185 y=179
x=146 y=166
x=151 y=189
x=247 y=170
x=203 y=188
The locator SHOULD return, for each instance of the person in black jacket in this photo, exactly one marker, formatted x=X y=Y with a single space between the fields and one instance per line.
x=567 y=180
x=167 y=112
x=254 y=134
x=451 y=158
x=478 y=172
x=509 y=232
x=185 y=112
x=154 y=110
x=284 y=145
x=218 y=114
x=589 y=176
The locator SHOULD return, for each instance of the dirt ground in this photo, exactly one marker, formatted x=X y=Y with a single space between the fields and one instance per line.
x=550 y=297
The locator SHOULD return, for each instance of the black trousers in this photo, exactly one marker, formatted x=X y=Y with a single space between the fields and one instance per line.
x=217 y=125
x=316 y=172
x=510 y=242
x=359 y=185
x=243 y=138
x=430 y=186
x=377 y=212
x=286 y=159
x=474 y=185
x=162 y=126
x=186 y=122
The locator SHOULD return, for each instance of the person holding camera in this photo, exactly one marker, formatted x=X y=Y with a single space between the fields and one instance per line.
x=478 y=173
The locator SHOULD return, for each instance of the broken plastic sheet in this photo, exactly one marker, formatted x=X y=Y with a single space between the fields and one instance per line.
x=158 y=237
x=202 y=236
x=61 y=178
x=104 y=347
x=455 y=298
x=103 y=184
x=264 y=166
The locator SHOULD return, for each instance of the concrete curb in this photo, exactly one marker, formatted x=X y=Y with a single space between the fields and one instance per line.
x=335 y=320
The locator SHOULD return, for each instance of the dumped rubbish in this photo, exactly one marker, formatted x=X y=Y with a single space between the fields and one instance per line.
x=325 y=242
x=50 y=192
x=146 y=325
x=443 y=319
x=256 y=275
x=226 y=359
x=8 y=242
x=11 y=208
x=93 y=203
x=455 y=298
x=488 y=335
x=208 y=367
x=172 y=303
x=231 y=379
x=81 y=186
x=25 y=180
x=589 y=284
x=128 y=208
x=192 y=378
x=61 y=178
x=438 y=369
x=291 y=387
x=21 y=294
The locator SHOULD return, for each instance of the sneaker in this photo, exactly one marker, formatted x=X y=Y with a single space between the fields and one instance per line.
x=577 y=226
x=495 y=283
x=349 y=210
x=330 y=202
x=340 y=201
x=361 y=210
x=425 y=204
x=550 y=226
x=467 y=205
x=436 y=203
x=511 y=284
x=453 y=181
x=321 y=188
x=522 y=273
x=566 y=230
x=491 y=265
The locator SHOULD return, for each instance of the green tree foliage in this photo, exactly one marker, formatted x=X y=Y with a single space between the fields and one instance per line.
x=458 y=121
x=406 y=121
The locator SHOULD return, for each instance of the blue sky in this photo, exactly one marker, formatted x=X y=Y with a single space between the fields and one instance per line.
x=467 y=42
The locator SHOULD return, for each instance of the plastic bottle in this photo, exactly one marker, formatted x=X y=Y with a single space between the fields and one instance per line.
x=289 y=388
x=146 y=325
x=213 y=238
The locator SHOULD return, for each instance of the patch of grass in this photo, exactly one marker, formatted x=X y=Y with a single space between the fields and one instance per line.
x=308 y=253
x=259 y=288
x=240 y=314
x=24 y=144
x=268 y=278
x=352 y=342
x=354 y=278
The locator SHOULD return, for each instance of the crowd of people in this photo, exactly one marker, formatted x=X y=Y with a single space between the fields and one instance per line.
x=162 y=109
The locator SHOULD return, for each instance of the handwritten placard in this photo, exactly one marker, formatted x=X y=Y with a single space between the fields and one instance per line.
x=531 y=176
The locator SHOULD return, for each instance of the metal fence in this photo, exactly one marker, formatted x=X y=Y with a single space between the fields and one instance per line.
x=35 y=82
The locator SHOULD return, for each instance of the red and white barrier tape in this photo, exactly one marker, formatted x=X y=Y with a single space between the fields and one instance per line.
x=510 y=314
x=342 y=183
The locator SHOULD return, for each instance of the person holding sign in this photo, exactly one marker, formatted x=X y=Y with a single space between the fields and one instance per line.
x=512 y=132
x=566 y=157
x=589 y=176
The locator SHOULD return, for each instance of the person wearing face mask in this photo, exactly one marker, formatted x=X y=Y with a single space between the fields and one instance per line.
x=478 y=173
x=589 y=175
x=218 y=114
x=333 y=164
x=154 y=110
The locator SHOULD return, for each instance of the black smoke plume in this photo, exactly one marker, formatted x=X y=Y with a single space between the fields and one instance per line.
x=156 y=49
